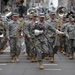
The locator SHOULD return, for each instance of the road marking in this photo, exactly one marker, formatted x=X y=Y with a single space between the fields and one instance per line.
x=22 y=43
x=51 y=64
x=52 y=69
x=0 y=69
x=3 y=64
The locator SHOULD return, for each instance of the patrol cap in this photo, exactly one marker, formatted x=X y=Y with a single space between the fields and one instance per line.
x=15 y=14
x=30 y=16
x=52 y=12
x=41 y=15
x=35 y=14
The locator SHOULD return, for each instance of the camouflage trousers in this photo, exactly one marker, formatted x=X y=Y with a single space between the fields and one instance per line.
x=63 y=43
x=3 y=42
x=50 y=51
x=71 y=46
x=53 y=46
x=27 y=42
x=15 y=46
x=42 y=50
x=33 y=51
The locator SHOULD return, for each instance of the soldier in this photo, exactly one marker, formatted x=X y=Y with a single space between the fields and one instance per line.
x=3 y=37
x=13 y=35
x=63 y=39
x=53 y=38
x=41 y=44
x=27 y=40
x=29 y=33
x=71 y=36
x=5 y=22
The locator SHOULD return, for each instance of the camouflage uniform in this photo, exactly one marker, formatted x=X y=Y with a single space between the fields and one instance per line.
x=71 y=32
x=64 y=40
x=4 y=38
x=14 y=35
x=27 y=40
x=42 y=40
x=32 y=39
x=53 y=38
x=42 y=45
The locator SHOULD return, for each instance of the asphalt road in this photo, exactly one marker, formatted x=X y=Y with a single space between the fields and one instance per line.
x=61 y=66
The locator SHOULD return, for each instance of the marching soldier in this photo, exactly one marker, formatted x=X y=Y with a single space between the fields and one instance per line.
x=3 y=38
x=13 y=35
x=71 y=36
x=27 y=40
x=63 y=39
x=5 y=22
x=31 y=37
x=41 y=44
x=53 y=38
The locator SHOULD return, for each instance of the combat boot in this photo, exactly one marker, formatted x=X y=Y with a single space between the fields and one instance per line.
x=64 y=52
x=2 y=51
x=71 y=56
x=47 y=57
x=61 y=50
x=52 y=59
x=28 y=57
x=13 y=59
x=41 y=66
x=33 y=59
x=17 y=58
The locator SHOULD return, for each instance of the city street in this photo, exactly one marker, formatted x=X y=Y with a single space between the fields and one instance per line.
x=61 y=66
x=41 y=26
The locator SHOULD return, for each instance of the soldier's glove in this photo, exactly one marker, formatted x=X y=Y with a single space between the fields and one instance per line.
x=37 y=32
x=59 y=32
x=8 y=38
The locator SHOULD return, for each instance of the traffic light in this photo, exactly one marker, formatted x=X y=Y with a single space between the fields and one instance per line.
x=5 y=1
